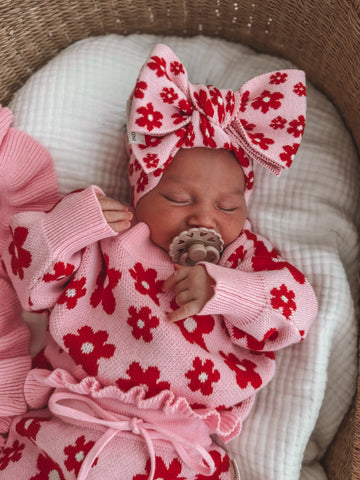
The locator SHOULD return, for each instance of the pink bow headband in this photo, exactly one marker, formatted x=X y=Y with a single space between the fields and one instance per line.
x=264 y=120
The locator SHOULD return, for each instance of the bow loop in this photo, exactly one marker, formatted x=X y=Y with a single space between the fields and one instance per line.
x=264 y=120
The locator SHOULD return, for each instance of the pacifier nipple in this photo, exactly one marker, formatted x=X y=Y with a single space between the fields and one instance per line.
x=198 y=244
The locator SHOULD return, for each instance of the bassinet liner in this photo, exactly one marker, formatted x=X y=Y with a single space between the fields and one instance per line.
x=321 y=37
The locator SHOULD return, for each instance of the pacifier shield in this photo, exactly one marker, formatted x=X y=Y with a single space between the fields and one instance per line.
x=198 y=244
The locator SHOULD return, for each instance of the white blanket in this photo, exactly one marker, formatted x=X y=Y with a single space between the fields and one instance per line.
x=76 y=105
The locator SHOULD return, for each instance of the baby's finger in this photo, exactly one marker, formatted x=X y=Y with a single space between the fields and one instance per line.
x=185 y=311
x=108 y=203
x=179 y=275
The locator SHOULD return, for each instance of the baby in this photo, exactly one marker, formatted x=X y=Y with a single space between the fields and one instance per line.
x=163 y=319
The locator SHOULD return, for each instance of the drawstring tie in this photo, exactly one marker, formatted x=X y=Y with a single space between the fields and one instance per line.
x=192 y=453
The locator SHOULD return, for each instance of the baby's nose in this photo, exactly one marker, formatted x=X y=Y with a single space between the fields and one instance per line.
x=201 y=217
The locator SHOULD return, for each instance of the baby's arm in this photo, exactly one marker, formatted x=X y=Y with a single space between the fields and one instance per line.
x=46 y=248
x=265 y=301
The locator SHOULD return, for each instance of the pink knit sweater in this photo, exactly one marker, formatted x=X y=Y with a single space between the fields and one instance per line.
x=107 y=311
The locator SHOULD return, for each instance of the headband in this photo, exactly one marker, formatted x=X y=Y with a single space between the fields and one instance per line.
x=263 y=121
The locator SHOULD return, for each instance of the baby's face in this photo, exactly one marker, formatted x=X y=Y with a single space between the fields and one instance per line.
x=201 y=187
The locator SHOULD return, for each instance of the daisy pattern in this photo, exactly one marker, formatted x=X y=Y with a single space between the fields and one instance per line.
x=297 y=126
x=278 y=123
x=11 y=454
x=61 y=271
x=244 y=369
x=146 y=281
x=76 y=454
x=150 y=118
x=142 y=322
x=283 y=299
x=278 y=78
x=267 y=100
x=289 y=152
x=148 y=377
x=47 y=469
x=20 y=258
x=106 y=281
x=168 y=95
x=87 y=347
x=203 y=376
x=300 y=89
x=75 y=290
x=158 y=64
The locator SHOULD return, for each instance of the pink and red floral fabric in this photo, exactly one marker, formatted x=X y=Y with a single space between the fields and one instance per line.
x=263 y=121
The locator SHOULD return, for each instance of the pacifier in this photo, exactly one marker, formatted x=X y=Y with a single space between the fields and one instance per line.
x=198 y=244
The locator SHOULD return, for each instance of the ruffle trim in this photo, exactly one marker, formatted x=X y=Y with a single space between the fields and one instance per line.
x=40 y=384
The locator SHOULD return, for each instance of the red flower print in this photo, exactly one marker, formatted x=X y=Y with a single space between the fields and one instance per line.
x=278 y=78
x=207 y=131
x=87 y=347
x=168 y=95
x=61 y=271
x=194 y=328
x=237 y=257
x=260 y=140
x=187 y=136
x=244 y=370
x=150 y=118
x=289 y=153
x=249 y=180
x=142 y=181
x=218 y=101
x=244 y=100
x=204 y=103
x=162 y=472
x=151 y=160
x=148 y=377
x=251 y=342
x=139 y=87
x=29 y=426
x=185 y=107
x=300 y=89
x=264 y=259
x=240 y=155
x=283 y=299
x=176 y=68
x=11 y=454
x=203 y=376
x=247 y=126
x=222 y=465
x=230 y=102
x=278 y=123
x=146 y=282
x=76 y=454
x=48 y=469
x=267 y=100
x=142 y=323
x=158 y=64
x=72 y=293
x=150 y=142
x=20 y=258
x=106 y=281
x=297 y=127
x=134 y=167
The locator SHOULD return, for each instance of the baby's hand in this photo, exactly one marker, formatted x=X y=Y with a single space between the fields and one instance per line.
x=193 y=287
x=115 y=213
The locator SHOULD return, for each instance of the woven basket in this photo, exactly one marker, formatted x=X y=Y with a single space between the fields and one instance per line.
x=321 y=37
